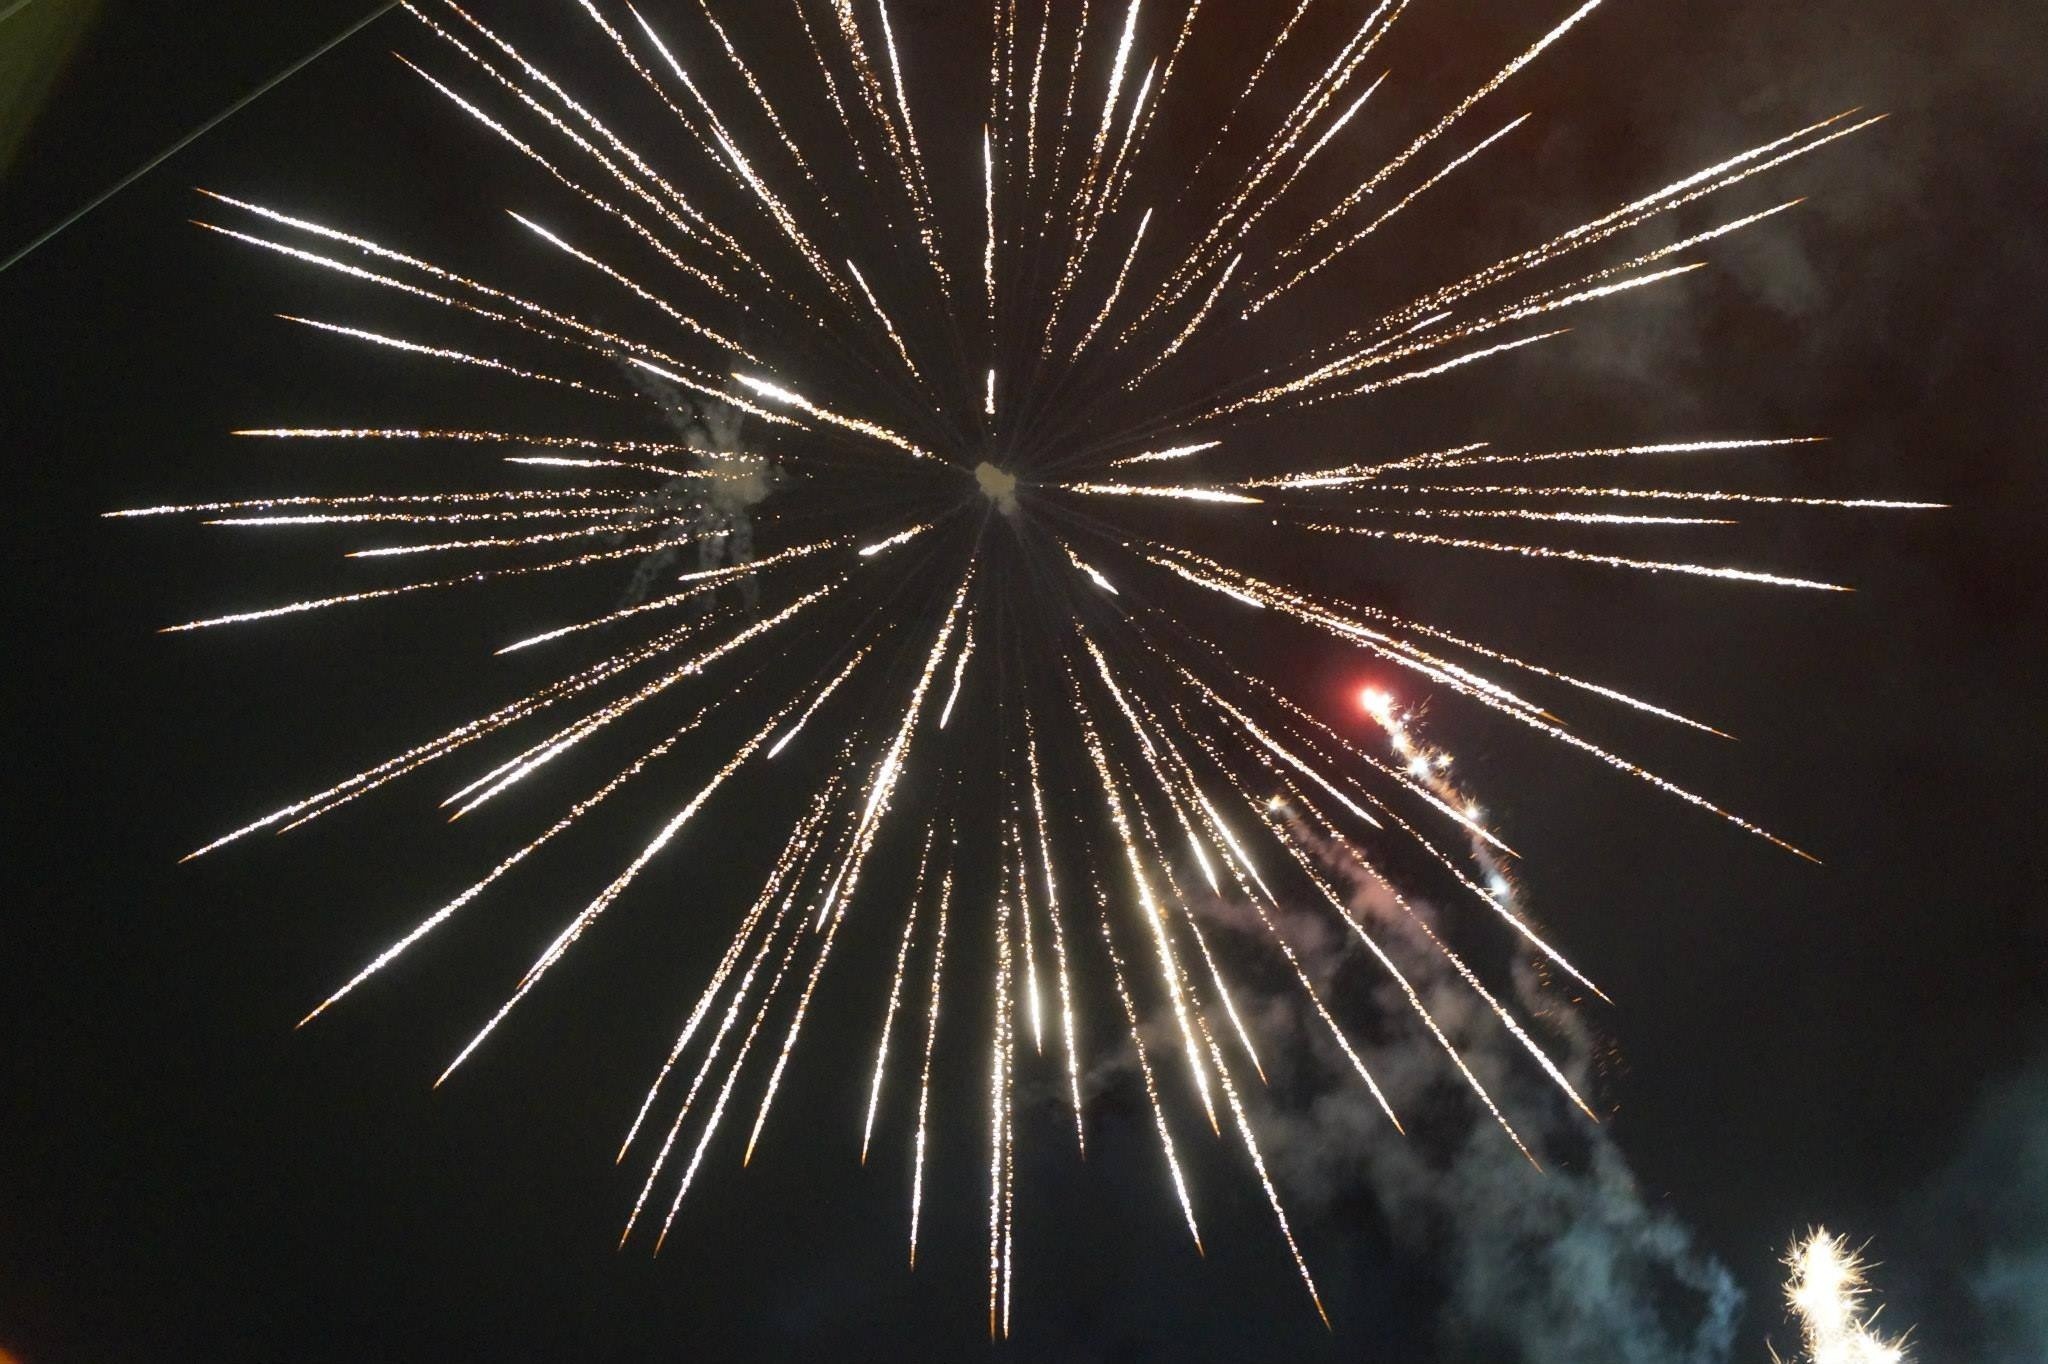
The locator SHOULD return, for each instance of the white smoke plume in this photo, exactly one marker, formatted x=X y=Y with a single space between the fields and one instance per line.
x=719 y=511
x=1570 y=1263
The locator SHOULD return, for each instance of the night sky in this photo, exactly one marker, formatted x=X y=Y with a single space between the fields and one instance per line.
x=183 y=1176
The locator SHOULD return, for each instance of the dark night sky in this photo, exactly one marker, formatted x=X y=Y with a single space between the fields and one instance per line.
x=183 y=1176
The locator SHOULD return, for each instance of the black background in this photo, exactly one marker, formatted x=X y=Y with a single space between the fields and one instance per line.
x=186 y=1177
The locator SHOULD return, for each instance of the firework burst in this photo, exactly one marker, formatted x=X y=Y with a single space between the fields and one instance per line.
x=992 y=506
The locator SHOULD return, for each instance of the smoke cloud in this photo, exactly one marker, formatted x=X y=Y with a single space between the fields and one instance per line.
x=1975 y=1260
x=1570 y=1263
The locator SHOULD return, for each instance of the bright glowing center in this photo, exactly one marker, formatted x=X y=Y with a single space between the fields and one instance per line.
x=997 y=485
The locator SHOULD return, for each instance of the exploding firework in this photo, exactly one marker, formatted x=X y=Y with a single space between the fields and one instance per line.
x=1827 y=1292
x=971 y=374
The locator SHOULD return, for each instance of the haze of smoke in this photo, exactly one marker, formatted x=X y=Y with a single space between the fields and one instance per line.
x=1979 y=1261
x=1568 y=1264
x=720 y=512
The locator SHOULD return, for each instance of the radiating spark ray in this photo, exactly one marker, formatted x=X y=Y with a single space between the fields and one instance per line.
x=1059 y=939
x=1251 y=1147
x=881 y=789
x=703 y=581
x=1151 y=911
x=924 y=1087
x=776 y=393
x=959 y=675
x=501 y=779
x=1115 y=291
x=1180 y=1186
x=1739 y=575
x=590 y=913
x=895 y=996
x=1146 y=490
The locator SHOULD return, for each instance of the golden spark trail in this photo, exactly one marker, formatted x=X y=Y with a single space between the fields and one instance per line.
x=902 y=99
x=1180 y=1186
x=1397 y=651
x=702 y=581
x=1115 y=292
x=638 y=466
x=1464 y=818
x=1680 y=192
x=895 y=994
x=1086 y=200
x=1532 y=307
x=698 y=224
x=1031 y=103
x=1574 y=518
x=999 y=1121
x=483 y=437
x=1059 y=938
x=574 y=325
x=900 y=538
x=959 y=673
x=1457 y=362
x=874 y=431
x=1415 y=1003
x=598 y=201
x=767 y=107
x=1023 y=888
x=668 y=310
x=446 y=353
x=1665 y=495
x=1116 y=165
x=776 y=209
x=481 y=575
x=589 y=914
x=931 y=1039
x=1500 y=1011
x=1324 y=89
x=1089 y=571
x=579 y=511
x=1258 y=73
x=1251 y=1147
x=888 y=327
x=463 y=305
x=871 y=92
x=1740 y=575
x=362 y=783
x=1187 y=26
x=447 y=911
x=1180 y=899
x=500 y=542
x=1142 y=490
x=1177 y=452
x=1377 y=223
x=1151 y=911
x=732 y=1071
x=1495 y=698
x=370 y=500
x=824 y=695
x=789 y=870
x=881 y=790
x=831 y=86
x=1194 y=324
x=1414 y=148
x=503 y=778
x=751 y=409
x=1238 y=862
x=1265 y=742
x=988 y=253
x=1462 y=457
